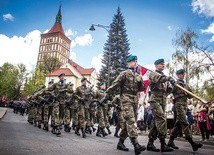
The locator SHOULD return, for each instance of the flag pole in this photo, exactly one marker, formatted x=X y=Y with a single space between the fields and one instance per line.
x=185 y=90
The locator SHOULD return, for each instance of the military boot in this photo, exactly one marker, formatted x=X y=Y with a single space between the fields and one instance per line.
x=93 y=128
x=195 y=146
x=83 y=133
x=171 y=143
x=137 y=147
x=121 y=146
x=53 y=131
x=116 y=133
x=39 y=124
x=103 y=132
x=77 y=131
x=58 y=132
x=164 y=147
x=151 y=146
x=98 y=134
x=45 y=127
x=109 y=131
x=73 y=126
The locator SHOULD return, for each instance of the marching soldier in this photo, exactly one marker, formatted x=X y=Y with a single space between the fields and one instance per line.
x=180 y=99
x=129 y=83
x=80 y=94
x=160 y=88
x=59 y=91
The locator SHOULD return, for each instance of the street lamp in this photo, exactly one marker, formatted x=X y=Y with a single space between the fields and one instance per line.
x=92 y=28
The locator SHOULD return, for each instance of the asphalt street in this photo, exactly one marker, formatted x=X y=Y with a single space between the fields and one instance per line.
x=18 y=137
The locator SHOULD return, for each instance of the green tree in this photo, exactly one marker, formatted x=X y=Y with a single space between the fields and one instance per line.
x=116 y=50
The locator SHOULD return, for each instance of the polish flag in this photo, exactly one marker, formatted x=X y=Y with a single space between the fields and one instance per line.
x=144 y=72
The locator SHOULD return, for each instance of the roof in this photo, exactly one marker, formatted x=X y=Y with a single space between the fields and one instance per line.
x=57 y=27
x=80 y=69
x=57 y=72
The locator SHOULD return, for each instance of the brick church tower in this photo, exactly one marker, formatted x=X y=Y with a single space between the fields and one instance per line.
x=55 y=43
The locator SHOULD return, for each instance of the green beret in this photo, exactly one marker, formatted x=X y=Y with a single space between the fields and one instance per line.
x=131 y=58
x=102 y=83
x=83 y=79
x=50 y=82
x=180 y=71
x=62 y=74
x=159 y=61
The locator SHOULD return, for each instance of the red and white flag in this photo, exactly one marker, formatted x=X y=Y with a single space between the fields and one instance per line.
x=144 y=72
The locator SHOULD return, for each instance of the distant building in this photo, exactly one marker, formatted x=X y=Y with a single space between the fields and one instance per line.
x=73 y=74
x=55 y=43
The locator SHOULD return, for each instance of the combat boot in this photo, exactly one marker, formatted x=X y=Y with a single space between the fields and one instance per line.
x=103 y=132
x=195 y=146
x=109 y=131
x=45 y=127
x=171 y=143
x=164 y=147
x=137 y=147
x=67 y=128
x=77 y=131
x=121 y=146
x=39 y=124
x=98 y=134
x=58 y=132
x=93 y=128
x=116 y=133
x=83 y=133
x=73 y=126
x=151 y=146
x=53 y=131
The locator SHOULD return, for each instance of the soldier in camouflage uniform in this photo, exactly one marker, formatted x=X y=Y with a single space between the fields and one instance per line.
x=129 y=83
x=100 y=93
x=160 y=88
x=80 y=94
x=180 y=99
x=117 y=104
x=68 y=104
x=59 y=92
x=30 y=109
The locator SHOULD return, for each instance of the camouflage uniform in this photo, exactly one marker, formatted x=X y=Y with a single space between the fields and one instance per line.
x=159 y=89
x=180 y=99
x=80 y=94
x=129 y=84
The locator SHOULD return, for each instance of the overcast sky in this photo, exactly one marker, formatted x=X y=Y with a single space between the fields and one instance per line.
x=151 y=26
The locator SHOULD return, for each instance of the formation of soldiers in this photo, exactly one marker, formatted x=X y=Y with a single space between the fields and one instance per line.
x=82 y=106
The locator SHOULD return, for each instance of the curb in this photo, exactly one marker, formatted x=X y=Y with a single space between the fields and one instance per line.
x=3 y=111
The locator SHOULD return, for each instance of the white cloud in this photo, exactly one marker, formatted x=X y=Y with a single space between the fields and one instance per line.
x=205 y=7
x=73 y=55
x=84 y=40
x=169 y=28
x=18 y=49
x=96 y=62
x=210 y=30
x=8 y=17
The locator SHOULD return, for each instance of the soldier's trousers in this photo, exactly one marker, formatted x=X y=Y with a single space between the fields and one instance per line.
x=159 y=126
x=105 y=113
x=67 y=117
x=56 y=121
x=61 y=113
x=181 y=121
x=87 y=117
x=39 y=114
x=45 y=113
x=128 y=127
x=75 y=117
x=100 y=116
x=81 y=117
x=30 y=114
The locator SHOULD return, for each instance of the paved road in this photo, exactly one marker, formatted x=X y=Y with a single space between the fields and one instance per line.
x=17 y=137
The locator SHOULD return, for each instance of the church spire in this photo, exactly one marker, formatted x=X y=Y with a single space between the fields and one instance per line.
x=59 y=16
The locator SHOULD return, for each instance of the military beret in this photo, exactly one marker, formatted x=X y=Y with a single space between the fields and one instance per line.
x=159 y=61
x=180 y=71
x=62 y=74
x=131 y=58
x=83 y=79
x=102 y=83
x=50 y=82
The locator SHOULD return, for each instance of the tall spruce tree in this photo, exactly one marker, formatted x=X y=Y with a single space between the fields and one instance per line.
x=116 y=50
